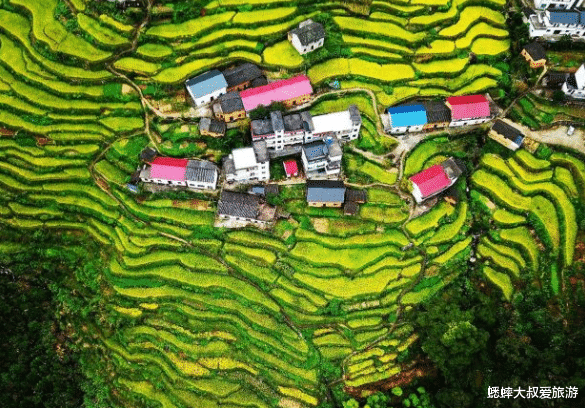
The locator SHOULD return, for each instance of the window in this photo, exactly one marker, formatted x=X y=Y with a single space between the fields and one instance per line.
x=557 y=32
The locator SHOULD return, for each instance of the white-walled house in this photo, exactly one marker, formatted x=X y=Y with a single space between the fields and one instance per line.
x=321 y=158
x=551 y=24
x=279 y=131
x=206 y=87
x=556 y=4
x=308 y=36
x=247 y=164
x=574 y=85
x=197 y=174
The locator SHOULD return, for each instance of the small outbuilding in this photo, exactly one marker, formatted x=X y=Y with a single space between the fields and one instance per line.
x=307 y=37
x=212 y=127
x=534 y=54
x=506 y=135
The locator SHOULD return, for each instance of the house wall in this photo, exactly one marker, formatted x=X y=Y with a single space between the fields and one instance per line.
x=297 y=101
x=188 y=183
x=259 y=173
x=533 y=64
x=405 y=129
x=503 y=141
x=552 y=31
x=556 y=4
x=253 y=221
x=207 y=98
x=239 y=87
x=307 y=48
x=573 y=93
x=209 y=133
x=437 y=125
x=231 y=117
x=469 y=122
x=324 y=204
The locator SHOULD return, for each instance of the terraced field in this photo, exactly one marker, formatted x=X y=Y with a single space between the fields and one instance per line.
x=210 y=317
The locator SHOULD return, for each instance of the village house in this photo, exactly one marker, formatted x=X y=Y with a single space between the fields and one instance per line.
x=438 y=114
x=321 y=158
x=353 y=198
x=148 y=154
x=247 y=164
x=229 y=107
x=549 y=24
x=206 y=87
x=405 y=118
x=197 y=174
x=468 y=110
x=307 y=37
x=534 y=54
x=291 y=92
x=279 y=131
x=556 y=4
x=435 y=179
x=211 y=127
x=574 y=85
x=243 y=209
x=240 y=77
x=325 y=193
x=506 y=135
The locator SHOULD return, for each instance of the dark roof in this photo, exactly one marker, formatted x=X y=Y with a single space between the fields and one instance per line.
x=437 y=111
x=148 y=154
x=271 y=189
x=315 y=150
x=260 y=81
x=564 y=17
x=277 y=121
x=571 y=80
x=307 y=121
x=212 y=125
x=240 y=74
x=309 y=33
x=231 y=102
x=261 y=127
x=238 y=204
x=260 y=150
x=453 y=167
x=555 y=79
x=293 y=122
x=358 y=196
x=351 y=208
x=202 y=171
x=509 y=132
x=325 y=191
x=535 y=51
x=354 y=114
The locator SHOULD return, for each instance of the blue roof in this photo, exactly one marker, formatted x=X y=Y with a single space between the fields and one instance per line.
x=325 y=191
x=519 y=140
x=564 y=17
x=407 y=115
x=315 y=150
x=206 y=83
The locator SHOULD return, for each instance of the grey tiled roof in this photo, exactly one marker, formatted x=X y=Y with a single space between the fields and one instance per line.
x=277 y=121
x=238 y=204
x=309 y=33
x=509 y=132
x=260 y=150
x=228 y=165
x=231 y=102
x=307 y=121
x=354 y=114
x=535 y=51
x=261 y=127
x=350 y=208
x=201 y=171
x=242 y=73
x=355 y=195
x=212 y=125
x=325 y=191
x=454 y=168
x=260 y=81
x=148 y=154
x=437 y=111
x=293 y=122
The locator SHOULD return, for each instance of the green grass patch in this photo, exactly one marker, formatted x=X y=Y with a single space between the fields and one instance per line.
x=501 y=280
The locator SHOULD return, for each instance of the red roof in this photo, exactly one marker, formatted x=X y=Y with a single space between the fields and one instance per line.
x=431 y=180
x=468 y=106
x=291 y=168
x=276 y=92
x=168 y=168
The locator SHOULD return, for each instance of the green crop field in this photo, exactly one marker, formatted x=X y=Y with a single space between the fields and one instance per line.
x=210 y=317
